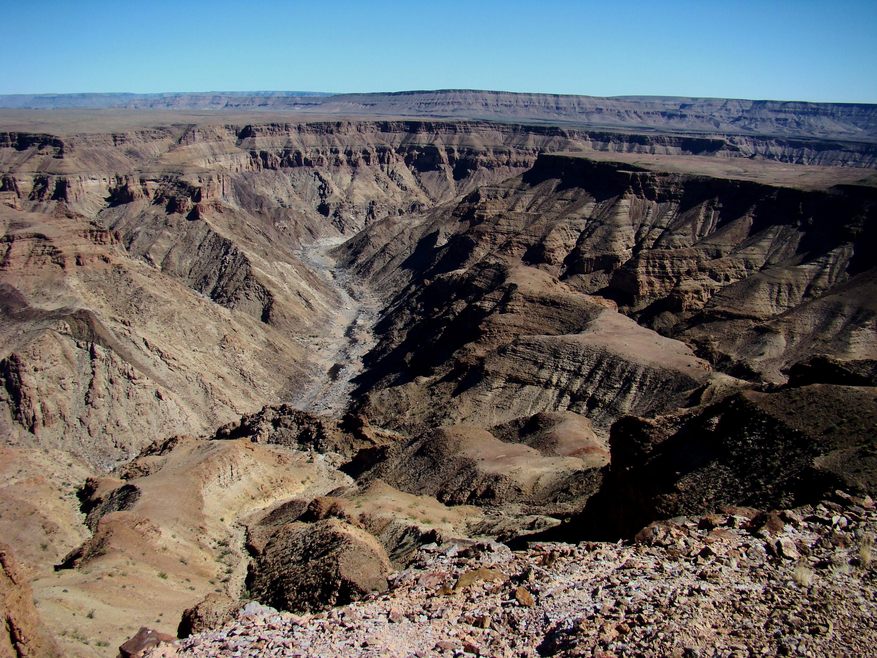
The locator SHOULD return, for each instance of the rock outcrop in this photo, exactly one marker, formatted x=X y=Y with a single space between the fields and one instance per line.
x=287 y=426
x=214 y=611
x=145 y=640
x=780 y=449
x=23 y=634
x=310 y=567
x=467 y=465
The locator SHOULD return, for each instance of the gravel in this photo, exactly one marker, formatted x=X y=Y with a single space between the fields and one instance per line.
x=794 y=583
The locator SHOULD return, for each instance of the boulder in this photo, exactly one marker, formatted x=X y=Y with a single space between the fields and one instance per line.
x=145 y=639
x=311 y=567
x=214 y=611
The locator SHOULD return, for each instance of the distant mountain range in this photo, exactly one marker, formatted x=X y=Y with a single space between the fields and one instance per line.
x=844 y=121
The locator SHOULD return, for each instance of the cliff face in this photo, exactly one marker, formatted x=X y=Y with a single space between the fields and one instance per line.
x=22 y=635
x=742 y=272
x=214 y=212
x=509 y=260
x=150 y=277
x=510 y=289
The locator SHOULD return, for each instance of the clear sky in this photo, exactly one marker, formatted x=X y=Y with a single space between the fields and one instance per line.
x=784 y=50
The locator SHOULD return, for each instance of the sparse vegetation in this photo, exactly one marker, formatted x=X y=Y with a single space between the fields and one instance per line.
x=162 y=575
x=866 y=545
x=803 y=575
x=79 y=637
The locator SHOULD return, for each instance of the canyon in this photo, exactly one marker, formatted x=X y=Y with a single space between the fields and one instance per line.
x=236 y=335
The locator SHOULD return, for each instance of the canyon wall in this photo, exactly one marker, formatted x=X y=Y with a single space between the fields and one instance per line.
x=848 y=121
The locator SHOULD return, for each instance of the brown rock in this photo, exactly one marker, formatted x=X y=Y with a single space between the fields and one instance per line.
x=769 y=522
x=214 y=611
x=476 y=575
x=315 y=566
x=787 y=549
x=710 y=521
x=524 y=597
x=145 y=639
x=22 y=634
x=721 y=534
x=707 y=552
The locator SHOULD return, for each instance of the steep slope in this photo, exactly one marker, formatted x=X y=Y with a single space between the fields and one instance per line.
x=22 y=635
x=754 y=449
x=150 y=281
x=96 y=361
x=511 y=288
x=138 y=217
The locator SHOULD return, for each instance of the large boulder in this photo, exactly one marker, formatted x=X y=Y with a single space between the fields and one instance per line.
x=212 y=612
x=313 y=566
x=142 y=642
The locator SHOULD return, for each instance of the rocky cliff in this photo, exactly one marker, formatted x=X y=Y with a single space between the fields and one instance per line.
x=23 y=635
x=127 y=258
x=516 y=289
x=211 y=214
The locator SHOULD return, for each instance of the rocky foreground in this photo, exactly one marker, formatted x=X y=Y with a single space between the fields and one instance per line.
x=737 y=583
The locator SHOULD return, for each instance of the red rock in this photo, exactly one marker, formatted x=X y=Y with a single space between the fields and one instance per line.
x=770 y=522
x=722 y=534
x=21 y=633
x=146 y=638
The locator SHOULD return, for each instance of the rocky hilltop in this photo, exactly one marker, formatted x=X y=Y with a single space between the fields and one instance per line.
x=304 y=361
x=727 y=584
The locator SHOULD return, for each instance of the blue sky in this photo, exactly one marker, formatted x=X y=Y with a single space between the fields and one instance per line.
x=794 y=50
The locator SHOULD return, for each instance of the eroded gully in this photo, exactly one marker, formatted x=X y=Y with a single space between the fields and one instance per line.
x=339 y=348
